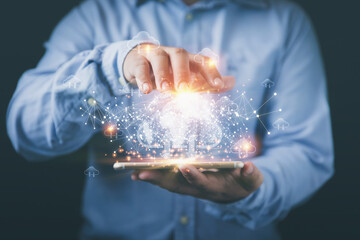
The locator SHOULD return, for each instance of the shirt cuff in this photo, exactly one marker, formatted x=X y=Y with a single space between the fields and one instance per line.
x=114 y=53
x=113 y=64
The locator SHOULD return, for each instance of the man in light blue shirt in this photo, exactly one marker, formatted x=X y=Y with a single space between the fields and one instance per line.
x=255 y=40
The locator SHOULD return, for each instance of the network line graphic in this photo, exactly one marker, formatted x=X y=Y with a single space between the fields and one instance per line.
x=179 y=125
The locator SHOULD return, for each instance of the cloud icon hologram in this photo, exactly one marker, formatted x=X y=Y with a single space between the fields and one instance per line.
x=111 y=131
x=207 y=57
x=226 y=106
x=72 y=81
x=91 y=172
x=139 y=39
x=267 y=83
x=178 y=126
x=243 y=147
x=281 y=124
x=148 y=136
x=181 y=123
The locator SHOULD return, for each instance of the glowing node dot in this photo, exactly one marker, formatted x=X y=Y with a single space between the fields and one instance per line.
x=148 y=48
x=275 y=93
x=269 y=133
x=258 y=115
x=92 y=102
x=247 y=118
x=211 y=63
x=280 y=109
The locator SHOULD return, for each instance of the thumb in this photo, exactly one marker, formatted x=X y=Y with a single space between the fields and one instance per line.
x=250 y=177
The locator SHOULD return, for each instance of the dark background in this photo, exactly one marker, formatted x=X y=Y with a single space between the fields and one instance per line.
x=42 y=200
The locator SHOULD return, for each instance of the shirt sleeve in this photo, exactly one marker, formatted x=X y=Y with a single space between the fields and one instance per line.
x=298 y=160
x=44 y=118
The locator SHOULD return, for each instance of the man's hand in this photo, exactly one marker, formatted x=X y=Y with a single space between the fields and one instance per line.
x=224 y=186
x=173 y=69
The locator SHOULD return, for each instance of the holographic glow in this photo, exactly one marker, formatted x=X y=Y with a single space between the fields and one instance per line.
x=181 y=126
x=178 y=127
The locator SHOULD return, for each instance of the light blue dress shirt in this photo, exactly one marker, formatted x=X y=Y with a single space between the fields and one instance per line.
x=255 y=39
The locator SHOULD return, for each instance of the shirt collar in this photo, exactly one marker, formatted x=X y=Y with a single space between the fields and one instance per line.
x=251 y=3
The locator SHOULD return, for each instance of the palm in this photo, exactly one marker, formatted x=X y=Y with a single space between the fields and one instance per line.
x=220 y=186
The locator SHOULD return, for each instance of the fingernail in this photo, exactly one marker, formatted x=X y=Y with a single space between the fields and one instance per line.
x=142 y=175
x=134 y=177
x=165 y=86
x=249 y=170
x=218 y=82
x=183 y=86
x=146 y=87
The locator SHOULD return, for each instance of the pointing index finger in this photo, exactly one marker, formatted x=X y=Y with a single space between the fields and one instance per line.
x=179 y=59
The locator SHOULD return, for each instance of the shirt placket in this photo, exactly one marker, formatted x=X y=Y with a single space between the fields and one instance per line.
x=185 y=205
x=190 y=29
x=184 y=217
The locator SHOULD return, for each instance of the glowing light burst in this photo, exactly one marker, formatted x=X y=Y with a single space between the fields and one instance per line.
x=212 y=63
x=179 y=126
x=191 y=106
x=186 y=123
x=244 y=147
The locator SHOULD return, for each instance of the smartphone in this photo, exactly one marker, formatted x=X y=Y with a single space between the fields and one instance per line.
x=175 y=164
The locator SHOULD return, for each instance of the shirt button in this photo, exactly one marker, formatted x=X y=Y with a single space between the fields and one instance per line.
x=189 y=16
x=92 y=102
x=184 y=220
